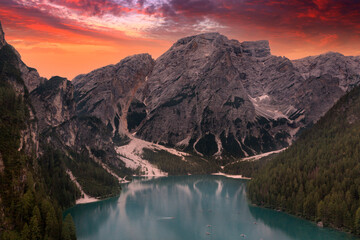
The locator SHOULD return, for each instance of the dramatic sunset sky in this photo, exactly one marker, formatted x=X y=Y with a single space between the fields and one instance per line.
x=69 y=37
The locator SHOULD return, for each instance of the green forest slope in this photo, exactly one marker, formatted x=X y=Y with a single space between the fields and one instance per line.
x=30 y=206
x=318 y=177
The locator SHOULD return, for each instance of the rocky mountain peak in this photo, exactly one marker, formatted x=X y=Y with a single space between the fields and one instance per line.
x=2 y=37
x=107 y=92
x=206 y=43
x=235 y=98
x=30 y=76
x=333 y=54
x=345 y=69
x=202 y=45
x=208 y=37
x=199 y=82
x=208 y=95
x=257 y=48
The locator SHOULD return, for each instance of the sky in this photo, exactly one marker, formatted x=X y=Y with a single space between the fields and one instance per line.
x=70 y=37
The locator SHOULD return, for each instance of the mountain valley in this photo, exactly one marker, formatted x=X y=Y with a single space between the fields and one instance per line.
x=204 y=104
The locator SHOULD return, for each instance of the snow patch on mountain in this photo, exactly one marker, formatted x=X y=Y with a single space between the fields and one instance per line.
x=264 y=108
x=257 y=157
x=131 y=154
x=84 y=197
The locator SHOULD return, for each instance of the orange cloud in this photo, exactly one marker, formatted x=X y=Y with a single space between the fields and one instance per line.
x=69 y=37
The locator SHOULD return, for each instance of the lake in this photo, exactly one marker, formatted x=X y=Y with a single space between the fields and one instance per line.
x=191 y=208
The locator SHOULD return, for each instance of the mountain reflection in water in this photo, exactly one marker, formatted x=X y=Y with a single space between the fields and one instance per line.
x=189 y=207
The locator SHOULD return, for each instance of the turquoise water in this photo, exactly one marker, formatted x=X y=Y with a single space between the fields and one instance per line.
x=189 y=207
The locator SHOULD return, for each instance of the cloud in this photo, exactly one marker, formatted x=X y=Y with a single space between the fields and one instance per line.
x=91 y=7
x=141 y=18
x=294 y=28
x=328 y=39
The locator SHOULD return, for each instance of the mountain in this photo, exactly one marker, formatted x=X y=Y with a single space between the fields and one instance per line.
x=106 y=93
x=232 y=99
x=34 y=186
x=2 y=37
x=197 y=83
x=53 y=102
x=29 y=76
x=236 y=98
x=345 y=69
x=205 y=102
x=78 y=136
x=318 y=176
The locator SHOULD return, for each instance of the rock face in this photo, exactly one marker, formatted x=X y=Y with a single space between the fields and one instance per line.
x=345 y=69
x=61 y=128
x=28 y=75
x=216 y=96
x=326 y=78
x=2 y=37
x=53 y=121
x=31 y=77
x=106 y=93
x=12 y=72
x=53 y=102
x=206 y=95
x=197 y=99
x=87 y=135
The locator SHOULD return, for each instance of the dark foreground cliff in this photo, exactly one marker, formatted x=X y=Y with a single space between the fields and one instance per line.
x=32 y=193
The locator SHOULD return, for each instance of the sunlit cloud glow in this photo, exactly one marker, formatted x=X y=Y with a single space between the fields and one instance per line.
x=51 y=34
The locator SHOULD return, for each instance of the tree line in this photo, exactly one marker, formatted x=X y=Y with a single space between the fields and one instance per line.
x=318 y=177
x=31 y=202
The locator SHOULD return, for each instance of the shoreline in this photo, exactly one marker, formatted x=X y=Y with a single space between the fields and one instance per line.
x=87 y=199
x=284 y=211
x=231 y=176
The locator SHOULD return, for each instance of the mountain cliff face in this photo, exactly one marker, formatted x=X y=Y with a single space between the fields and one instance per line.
x=106 y=93
x=207 y=96
x=236 y=98
x=25 y=187
x=15 y=73
x=197 y=98
x=29 y=76
x=53 y=102
x=345 y=69
x=2 y=37
x=53 y=125
x=216 y=97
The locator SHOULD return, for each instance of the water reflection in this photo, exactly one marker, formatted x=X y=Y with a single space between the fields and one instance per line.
x=189 y=207
x=293 y=227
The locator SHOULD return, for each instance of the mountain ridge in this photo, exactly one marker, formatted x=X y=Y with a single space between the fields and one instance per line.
x=206 y=96
x=266 y=95
x=205 y=102
x=2 y=37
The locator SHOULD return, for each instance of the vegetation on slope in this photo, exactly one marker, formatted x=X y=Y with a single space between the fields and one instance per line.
x=93 y=178
x=318 y=177
x=28 y=209
x=30 y=204
x=53 y=171
x=8 y=62
x=175 y=165
x=247 y=168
